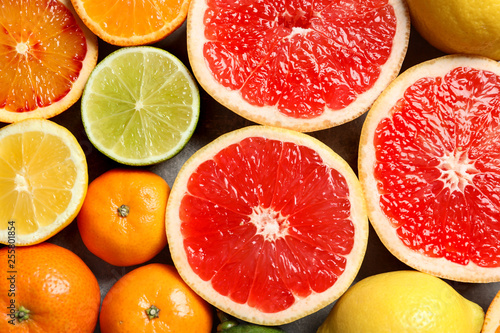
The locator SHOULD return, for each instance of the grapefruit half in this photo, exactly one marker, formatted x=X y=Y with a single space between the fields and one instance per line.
x=267 y=224
x=429 y=166
x=303 y=65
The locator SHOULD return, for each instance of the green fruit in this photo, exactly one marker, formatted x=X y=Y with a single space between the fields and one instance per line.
x=403 y=302
x=140 y=105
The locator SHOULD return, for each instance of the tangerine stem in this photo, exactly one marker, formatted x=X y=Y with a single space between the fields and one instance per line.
x=153 y=312
x=22 y=314
x=123 y=210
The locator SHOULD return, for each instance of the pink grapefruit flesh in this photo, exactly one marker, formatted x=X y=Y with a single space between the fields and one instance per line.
x=267 y=224
x=429 y=164
x=304 y=65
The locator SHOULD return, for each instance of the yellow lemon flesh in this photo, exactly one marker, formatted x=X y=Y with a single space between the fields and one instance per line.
x=459 y=26
x=403 y=302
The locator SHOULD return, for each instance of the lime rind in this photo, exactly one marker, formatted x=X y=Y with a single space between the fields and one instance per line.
x=140 y=106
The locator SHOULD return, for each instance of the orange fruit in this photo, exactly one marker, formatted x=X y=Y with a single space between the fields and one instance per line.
x=304 y=65
x=122 y=220
x=428 y=164
x=46 y=56
x=492 y=318
x=43 y=180
x=132 y=22
x=46 y=288
x=153 y=299
x=267 y=224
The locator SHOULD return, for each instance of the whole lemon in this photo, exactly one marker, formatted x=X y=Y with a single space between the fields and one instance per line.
x=403 y=302
x=459 y=26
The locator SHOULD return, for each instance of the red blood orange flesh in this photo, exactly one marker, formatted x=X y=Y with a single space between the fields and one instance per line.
x=304 y=65
x=429 y=165
x=267 y=224
x=46 y=56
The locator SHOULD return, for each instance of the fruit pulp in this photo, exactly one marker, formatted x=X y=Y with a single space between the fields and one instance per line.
x=438 y=166
x=266 y=215
x=301 y=56
x=40 y=58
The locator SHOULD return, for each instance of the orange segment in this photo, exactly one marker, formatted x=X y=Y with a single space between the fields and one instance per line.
x=46 y=55
x=146 y=21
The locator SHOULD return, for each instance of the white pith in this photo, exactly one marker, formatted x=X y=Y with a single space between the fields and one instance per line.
x=457 y=171
x=270 y=223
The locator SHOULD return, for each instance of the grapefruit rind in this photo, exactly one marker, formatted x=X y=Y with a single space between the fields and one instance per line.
x=439 y=267
x=75 y=93
x=136 y=40
x=79 y=189
x=301 y=307
x=269 y=115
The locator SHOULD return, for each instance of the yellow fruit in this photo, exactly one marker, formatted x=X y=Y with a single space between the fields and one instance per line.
x=403 y=302
x=43 y=180
x=459 y=26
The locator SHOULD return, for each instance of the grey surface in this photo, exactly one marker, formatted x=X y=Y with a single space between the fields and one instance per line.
x=214 y=121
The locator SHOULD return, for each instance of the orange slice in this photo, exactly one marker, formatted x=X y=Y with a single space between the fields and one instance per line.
x=267 y=224
x=46 y=56
x=132 y=22
x=304 y=65
x=43 y=180
x=428 y=163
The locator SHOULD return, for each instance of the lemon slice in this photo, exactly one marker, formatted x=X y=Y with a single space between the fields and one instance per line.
x=140 y=105
x=43 y=180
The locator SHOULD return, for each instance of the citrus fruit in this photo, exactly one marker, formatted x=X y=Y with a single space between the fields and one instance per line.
x=136 y=22
x=47 y=288
x=43 y=180
x=46 y=56
x=140 y=105
x=459 y=26
x=403 y=301
x=267 y=224
x=153 y=299
x=304 y=65
x=428 y=164
x=492 y=319
x=122 y=220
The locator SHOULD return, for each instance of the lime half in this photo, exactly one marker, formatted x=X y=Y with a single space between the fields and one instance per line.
x=140 y=105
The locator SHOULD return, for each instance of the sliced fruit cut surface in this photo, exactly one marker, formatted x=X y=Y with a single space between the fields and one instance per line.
x=43 y=180
x=304 y=65
x=132 y=22
x=140 y=105
x=428 y=162
x=46 y=56
x=267 y=224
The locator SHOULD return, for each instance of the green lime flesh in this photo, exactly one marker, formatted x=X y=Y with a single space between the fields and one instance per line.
x=140 y=105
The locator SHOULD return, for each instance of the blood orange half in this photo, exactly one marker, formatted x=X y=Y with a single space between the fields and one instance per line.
x=267 y=224
x=303 y=64
x=429 y=165
x=46 y=56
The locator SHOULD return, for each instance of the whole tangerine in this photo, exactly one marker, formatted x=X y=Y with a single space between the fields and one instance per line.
x=47 y=288
x=122 y=220
x=152 y=299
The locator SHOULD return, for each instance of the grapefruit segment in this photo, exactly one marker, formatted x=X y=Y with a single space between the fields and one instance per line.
x=305 y=65
x=426 y=161
x=267 y=224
